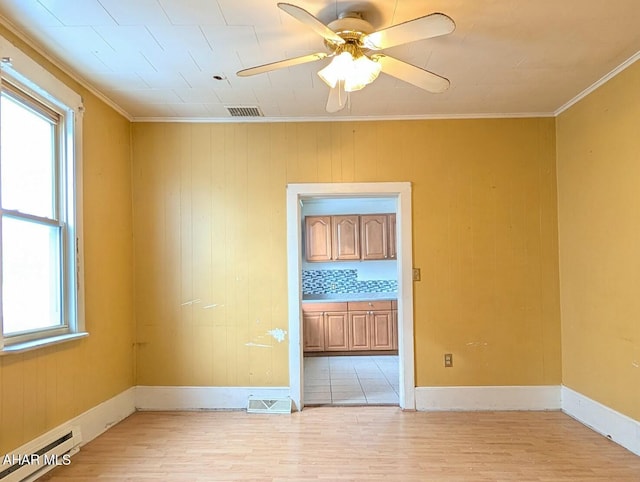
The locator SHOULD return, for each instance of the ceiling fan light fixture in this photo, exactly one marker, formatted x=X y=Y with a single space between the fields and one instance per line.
x=365 y=71
x=337 y=69
x=355 y=72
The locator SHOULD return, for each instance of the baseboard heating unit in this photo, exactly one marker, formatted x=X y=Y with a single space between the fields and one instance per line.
x=43 y=454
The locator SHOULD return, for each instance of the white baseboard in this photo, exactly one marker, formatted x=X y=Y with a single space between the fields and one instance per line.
x=202 y=398
x=545 y=397
x=86 y=427
x=621 y=429
x=102 y=417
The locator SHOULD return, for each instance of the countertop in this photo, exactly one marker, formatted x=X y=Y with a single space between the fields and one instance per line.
x=324 y=298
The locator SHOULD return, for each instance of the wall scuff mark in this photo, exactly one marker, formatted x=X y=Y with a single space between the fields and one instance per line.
x=259 y=345
x=477 y=343
x=192 y=302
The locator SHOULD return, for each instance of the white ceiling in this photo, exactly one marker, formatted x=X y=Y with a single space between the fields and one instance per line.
x=155 y=59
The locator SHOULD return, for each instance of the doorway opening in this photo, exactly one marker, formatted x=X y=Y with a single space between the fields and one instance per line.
x=399 y=194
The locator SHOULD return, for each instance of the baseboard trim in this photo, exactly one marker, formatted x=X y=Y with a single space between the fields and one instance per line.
x=102 y=417
x=545 y=397
x=623 y=430
x=202 y=398
x=91 y=424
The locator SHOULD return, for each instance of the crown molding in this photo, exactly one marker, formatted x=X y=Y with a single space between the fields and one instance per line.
x=66 y=69
x=32 y=43
x=624 y=65
x=258 y=120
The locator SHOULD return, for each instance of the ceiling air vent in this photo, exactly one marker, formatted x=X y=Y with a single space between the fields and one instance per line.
x=245 y=112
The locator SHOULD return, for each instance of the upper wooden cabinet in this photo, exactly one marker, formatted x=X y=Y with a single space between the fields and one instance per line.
x=374 y=232
x=346 y=237
x=350 y=237
x=318 y=238
x=393 y=254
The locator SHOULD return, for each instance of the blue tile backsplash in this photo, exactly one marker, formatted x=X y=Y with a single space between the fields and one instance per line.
x=325 y=281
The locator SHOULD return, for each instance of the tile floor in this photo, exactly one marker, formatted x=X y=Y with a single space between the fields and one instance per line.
x=351 y=380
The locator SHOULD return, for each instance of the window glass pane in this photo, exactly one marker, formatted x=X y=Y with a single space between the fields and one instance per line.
x=30 y=275
x=28 y=162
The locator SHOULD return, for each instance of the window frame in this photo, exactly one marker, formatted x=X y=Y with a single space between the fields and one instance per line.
x=49 y=93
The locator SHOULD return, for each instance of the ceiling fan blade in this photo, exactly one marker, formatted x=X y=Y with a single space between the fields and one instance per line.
x=261 y=69
x=337 y=98
x=414 y=75
x=309 y=20
x=420 y=28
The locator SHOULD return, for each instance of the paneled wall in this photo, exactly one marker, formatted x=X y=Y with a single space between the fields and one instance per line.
x=44 y=388
x=210 y=244
x=599 y=202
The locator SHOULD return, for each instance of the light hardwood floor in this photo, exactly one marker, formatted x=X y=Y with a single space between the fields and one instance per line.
x=351 y=444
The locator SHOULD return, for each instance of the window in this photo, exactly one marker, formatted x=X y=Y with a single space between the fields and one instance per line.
x=40 y=243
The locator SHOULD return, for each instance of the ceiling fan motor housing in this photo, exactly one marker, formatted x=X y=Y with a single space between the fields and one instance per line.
x=351 y=27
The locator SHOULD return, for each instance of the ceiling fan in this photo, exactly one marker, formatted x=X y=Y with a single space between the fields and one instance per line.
x=354 y=45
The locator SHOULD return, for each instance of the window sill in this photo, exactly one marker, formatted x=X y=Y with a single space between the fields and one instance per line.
x=35 y=344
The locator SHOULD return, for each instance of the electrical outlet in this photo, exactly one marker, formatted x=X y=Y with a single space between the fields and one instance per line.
x=448 y=360
x=416 y=274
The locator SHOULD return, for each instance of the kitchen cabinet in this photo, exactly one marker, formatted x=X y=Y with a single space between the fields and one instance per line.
x=374 y=229
x=378 y=236
x=350 y=326
x=381 y=330
x=336 y=331
x=318 y=238
x=313 y=331
x=394 y=319
x=345 y=237
x=393 y=253
x=324 y=327
x=359 y=331
x=378 y=319
x=350 y=237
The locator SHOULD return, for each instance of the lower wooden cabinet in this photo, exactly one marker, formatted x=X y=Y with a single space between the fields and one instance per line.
x=352 y=326
x=336 y=331
x=381 y=330
x=313 y=331
x=359 y=331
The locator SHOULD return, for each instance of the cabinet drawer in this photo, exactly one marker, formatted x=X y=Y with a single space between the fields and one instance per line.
x=323 y=307
x=369 y=305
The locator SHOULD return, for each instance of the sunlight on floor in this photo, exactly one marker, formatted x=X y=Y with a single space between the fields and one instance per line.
x=351 y=380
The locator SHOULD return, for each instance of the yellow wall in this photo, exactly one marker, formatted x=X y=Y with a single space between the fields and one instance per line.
x=43 y=388
x=598 y=153
x=210 y=225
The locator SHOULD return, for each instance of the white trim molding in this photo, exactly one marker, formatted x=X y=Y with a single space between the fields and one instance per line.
x=615 y=426
x=544 y=397
x=606 y=78
x=401 y=193
x=90 y=424
x=203 y=398
x=102 y=417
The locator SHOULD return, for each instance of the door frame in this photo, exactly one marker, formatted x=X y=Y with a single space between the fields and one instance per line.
x=401 y=191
